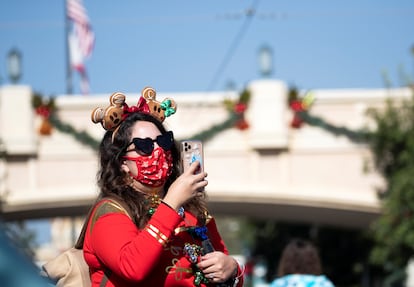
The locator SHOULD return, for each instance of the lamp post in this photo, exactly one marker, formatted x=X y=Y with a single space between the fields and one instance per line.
x=412 y=54
x=14 y=63
x=265 y=61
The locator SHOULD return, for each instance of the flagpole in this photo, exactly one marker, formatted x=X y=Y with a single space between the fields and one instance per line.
x=69 y=88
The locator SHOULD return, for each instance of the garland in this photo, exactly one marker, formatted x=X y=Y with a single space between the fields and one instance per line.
x=236 y=118
x=360 y=136
x=300 y=107
x=81 y=136
x=46 y=109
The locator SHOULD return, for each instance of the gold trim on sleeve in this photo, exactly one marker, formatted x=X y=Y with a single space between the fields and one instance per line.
x=157 y=234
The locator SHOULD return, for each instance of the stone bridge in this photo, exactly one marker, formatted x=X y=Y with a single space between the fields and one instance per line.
x=269 y=170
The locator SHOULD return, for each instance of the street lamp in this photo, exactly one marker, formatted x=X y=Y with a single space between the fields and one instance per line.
x=265 y=61
x=14 y=65
x=412 y=53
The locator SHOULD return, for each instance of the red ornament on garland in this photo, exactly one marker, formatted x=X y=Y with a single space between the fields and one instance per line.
x=45 y=128
x=296 y=121
x=43 y=111
x=240 y=108
x=298 y=106
x=242 y=124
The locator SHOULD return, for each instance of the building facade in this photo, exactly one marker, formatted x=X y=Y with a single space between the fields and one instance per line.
x=267 y=168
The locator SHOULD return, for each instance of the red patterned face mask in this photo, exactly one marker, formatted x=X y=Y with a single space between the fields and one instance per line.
x=154 y=169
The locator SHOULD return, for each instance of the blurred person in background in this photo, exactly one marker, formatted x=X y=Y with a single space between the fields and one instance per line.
x=300 y=266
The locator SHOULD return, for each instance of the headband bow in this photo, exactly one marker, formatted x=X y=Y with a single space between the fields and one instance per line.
x=118 y=110
x=168 y=109
x=141 y=107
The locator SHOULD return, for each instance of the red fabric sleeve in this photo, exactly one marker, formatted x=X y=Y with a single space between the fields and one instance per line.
x=127 y=251
x=219 y=245
x=215 y=237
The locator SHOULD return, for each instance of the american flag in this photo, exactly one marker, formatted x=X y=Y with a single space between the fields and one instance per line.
x=81 y=39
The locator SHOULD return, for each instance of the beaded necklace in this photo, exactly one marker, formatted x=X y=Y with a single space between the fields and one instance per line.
x=191 y=251
x=153 y=201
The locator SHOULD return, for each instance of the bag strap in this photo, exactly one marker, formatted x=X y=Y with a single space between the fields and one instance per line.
x=107 y=205
x=104 y=206
x=115 y=206
x=105 y=279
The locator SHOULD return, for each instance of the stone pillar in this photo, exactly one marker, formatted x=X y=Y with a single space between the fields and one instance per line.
x=17 y=130
x=267 y=114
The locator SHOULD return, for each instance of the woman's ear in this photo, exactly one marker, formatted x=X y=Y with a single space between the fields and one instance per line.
x=125 y=167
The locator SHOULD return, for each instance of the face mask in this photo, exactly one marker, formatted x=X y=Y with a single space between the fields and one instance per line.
x=154 y=169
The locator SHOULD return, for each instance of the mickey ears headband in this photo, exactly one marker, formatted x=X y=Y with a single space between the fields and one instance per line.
x=112 y=116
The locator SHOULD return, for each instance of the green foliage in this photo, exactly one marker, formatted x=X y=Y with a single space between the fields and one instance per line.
x=359 y=136
x=244 y=97
x=38 y=100
x=392 y=146
x=212 y=131
x=392 y=143
x=293 y=94
x=81 y=136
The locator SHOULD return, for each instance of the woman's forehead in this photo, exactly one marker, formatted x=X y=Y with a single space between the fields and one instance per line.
x=144 y=129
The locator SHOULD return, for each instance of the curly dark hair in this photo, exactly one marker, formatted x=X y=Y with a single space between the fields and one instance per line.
x=113 y=181
x=299 y=257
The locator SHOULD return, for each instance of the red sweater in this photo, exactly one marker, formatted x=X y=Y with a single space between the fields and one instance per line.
x=152 y=256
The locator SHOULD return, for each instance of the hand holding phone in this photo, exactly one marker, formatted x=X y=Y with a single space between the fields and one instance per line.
x=191 y=151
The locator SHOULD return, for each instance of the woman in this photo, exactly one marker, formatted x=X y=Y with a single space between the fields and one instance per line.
x=150 y=224
x=300 y=266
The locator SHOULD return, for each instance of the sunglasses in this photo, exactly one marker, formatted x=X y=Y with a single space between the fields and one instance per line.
x=146 y=146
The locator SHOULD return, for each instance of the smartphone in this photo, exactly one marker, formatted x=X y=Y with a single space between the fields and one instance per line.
x=191 y=151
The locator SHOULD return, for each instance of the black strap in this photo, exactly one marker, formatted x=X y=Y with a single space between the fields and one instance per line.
x=105 y=278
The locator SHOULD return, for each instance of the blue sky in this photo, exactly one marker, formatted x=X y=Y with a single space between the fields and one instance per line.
x=180 y=45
